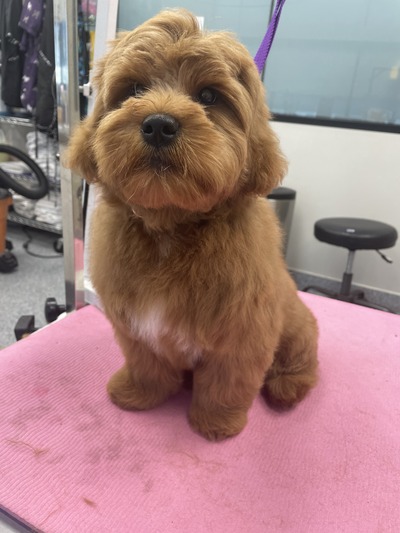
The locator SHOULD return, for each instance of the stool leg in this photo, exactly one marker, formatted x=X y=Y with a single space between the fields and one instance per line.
x=348 y=275
x=4 y=203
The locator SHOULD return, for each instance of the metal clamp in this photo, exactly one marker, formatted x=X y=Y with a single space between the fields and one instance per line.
x=86 y=89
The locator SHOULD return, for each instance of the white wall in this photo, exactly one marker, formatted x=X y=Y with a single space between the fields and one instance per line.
x=342 y=172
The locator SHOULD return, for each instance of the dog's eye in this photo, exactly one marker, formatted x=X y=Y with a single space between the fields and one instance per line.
x=207 y=96
x=137 y=90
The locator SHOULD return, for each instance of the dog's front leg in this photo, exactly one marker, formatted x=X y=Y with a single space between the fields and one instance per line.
x=145 y=380
x=223 y=391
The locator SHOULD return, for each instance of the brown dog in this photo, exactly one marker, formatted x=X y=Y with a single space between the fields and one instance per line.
x=186 y=251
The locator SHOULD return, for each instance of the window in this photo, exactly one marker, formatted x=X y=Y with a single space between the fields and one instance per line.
x=248 y=19
x=337 y=62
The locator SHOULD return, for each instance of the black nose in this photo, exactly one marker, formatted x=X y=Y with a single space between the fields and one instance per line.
x=159 y=130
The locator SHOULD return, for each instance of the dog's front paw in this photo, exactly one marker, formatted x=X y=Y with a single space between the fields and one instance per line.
x=217 y=425
x=127 y=395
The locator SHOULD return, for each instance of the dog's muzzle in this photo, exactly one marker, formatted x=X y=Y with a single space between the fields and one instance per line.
x=159 y=130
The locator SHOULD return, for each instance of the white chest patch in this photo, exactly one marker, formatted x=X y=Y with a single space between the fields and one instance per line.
x=153 y=329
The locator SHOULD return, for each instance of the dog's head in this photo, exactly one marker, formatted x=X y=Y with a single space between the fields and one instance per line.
x=180 y=120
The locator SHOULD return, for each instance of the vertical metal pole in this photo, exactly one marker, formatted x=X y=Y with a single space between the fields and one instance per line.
x=347 y=275
x=67 y=83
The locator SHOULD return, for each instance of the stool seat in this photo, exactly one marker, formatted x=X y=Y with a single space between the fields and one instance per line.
x=282 y=193
x=355 y=233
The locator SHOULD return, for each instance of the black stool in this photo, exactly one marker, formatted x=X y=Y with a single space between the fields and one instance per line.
x=282 y=200
x=8 y=261
x=354 y=234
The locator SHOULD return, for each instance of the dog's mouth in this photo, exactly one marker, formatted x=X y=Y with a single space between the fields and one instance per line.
x=160 y=165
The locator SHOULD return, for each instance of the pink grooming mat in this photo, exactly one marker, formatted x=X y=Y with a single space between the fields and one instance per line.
x=70 y=461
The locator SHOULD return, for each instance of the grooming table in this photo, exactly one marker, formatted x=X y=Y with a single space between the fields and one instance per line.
x=72 y=462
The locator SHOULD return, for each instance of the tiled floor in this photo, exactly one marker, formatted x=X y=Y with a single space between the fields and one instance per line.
x=24 y=291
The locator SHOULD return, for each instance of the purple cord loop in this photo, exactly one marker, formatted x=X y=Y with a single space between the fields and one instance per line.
x=262 y=53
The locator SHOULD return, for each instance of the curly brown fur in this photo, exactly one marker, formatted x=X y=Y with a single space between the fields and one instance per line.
x=185 y=250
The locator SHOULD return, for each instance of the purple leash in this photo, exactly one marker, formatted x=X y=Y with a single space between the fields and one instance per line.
x=263 y=51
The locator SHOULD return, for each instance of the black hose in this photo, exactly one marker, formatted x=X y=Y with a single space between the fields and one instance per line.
x=6 y=181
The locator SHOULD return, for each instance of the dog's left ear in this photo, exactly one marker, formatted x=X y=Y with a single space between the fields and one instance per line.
x=266 y=164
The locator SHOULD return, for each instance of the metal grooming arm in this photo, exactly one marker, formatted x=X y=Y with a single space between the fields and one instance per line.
x=66 y=53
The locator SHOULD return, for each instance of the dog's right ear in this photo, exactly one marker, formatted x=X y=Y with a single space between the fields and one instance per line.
x=80 y=153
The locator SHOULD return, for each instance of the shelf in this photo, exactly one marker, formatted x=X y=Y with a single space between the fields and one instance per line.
x=16 y=121
x=32 y=223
